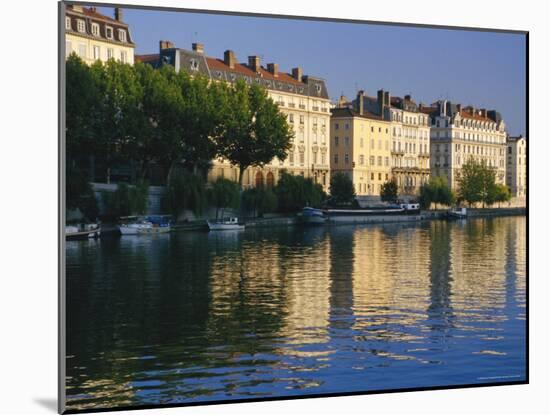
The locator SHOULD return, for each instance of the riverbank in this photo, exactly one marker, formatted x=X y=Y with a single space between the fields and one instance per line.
x=283 y=221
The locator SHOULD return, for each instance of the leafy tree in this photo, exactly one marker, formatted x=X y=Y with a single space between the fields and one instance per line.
x=477 y=183
x=436 y=191
x=223 y=194
x=388 y=193
x=259 y=200
x=185 y=191
x=296 y=192
x=254 y=131
x=80 y=195
x=502 y=194
x=127 y=200
x=341 y=189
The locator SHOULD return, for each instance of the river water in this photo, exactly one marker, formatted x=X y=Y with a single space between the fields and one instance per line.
x=197 y=316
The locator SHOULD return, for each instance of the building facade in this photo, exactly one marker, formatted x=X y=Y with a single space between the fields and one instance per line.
x=516 y=166
x=94 y=36
x=303 y=98
x=360 y=146
x=458 y=134
x=410 y=138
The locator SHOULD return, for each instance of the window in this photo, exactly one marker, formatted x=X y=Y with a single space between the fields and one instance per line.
x=347 y=126
x=323 y=158
x=336 y=126
x=371 y=160
x=109 y=32
x=379 y=160
x=123 y=57
x=291 y=157
x=315 y=138
x=379 y=176
x=95 y=29
x=346 y=158
x=346 y=141
x=97 y=53
x=387 y=161
x=291 y=118
x=194 y=64
x=301 y=157
x=110 y=53
x=361 y=159
x=315 y=158
x=336 y=159
x=80 y=26
x=315 y=122
x=301 y=119
x=68 y=47
x=336 y=141
x=361 y=142
x=82 y=50
x=68 y=23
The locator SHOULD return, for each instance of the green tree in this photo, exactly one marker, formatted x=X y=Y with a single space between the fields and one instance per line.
x=185 y=191
x=224 y=194
x=254 y=130
x=259 y=200
x=295 y=192
x=80 y=195
x=127 y=200
x=388 y=193
x=502 y=194
x=341 y=189
x=437 y=191
x=477 y=183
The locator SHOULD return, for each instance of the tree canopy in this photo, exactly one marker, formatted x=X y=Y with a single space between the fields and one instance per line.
x=341 y=189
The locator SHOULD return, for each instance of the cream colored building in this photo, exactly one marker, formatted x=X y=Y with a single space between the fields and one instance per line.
x=360 y=146
x=410 y=138
x=516 y=166
x=303 y=98
x=458 y=134
x=94 y=36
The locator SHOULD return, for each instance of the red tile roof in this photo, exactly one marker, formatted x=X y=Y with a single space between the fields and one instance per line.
x=92 y=12
x=147 y=58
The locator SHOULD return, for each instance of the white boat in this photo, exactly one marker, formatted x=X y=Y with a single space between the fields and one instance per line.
x=143 y=226
x=312 y=216
x=226 y=224
x=82 y=231
x=457 y=213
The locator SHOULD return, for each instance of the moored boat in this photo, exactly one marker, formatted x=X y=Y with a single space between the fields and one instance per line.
x=136 y=225
x=312 y=216
x=457 y=213
x=225 y=224
x=82 y=231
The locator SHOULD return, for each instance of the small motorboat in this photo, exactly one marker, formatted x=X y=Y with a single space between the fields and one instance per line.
x=312 y=216
x=137 y=225
x=82 y=231
x=457 y=213
x=225 y=224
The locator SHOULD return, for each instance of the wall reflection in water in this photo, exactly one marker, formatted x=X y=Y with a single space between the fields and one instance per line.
x=209 y=316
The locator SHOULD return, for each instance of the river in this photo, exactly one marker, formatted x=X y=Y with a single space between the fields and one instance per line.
x=197 y=316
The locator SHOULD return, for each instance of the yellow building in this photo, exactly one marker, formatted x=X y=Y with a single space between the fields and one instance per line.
x=94 y=36
x=302 y=98
x=360 y=146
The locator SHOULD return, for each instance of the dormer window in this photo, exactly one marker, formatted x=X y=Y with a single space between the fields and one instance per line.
x=95 y=29
x=68 y=23
x=122 y=35
x=109 y=32
x=81 y=26
x=194 y=65
x=318 y=88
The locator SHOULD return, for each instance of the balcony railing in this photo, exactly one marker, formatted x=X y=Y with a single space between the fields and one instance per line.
x=398 y=152
x=315 y=108
x=302 y=106
x=291 y=105
x=280 y=103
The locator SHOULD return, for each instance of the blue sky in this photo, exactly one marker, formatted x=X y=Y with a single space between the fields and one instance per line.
x=483 y=69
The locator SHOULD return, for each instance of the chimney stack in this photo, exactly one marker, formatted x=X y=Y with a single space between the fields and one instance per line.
x=78 y=8
x=360 y=102
x=118 y=14
x=229 y=58
x=483 y=113
x=407 y=97
x=297 y=73
x=458 y=108
x=165 y=44
x=198 y=47
x=254 y=63
x=273 y=68
x=387 y=98
x=93 y=9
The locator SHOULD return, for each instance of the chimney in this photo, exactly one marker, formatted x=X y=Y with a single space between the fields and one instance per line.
x=297 y=73
x=198 y=47
x=483 y=112
x=118 y=14
x=273 y=68
x=93 y=9
x=229 y=58
x=387 y=98
x=360 y=102
x=458 y=108
x=78 y=9
x=254 y=63
x=165 y=44
x=407 y=97
x=380 y=100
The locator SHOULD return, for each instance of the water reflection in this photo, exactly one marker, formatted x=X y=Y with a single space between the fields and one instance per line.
x=208 y=316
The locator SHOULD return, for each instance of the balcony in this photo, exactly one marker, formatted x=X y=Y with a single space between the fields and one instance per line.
x=280 y=103
x=423 y=154
x=397 y=152
x=315 y=108
x=324 y=109
x=291 y=105
x=302 y=106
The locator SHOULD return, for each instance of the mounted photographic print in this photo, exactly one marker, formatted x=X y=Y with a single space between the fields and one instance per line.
x=260 y=207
